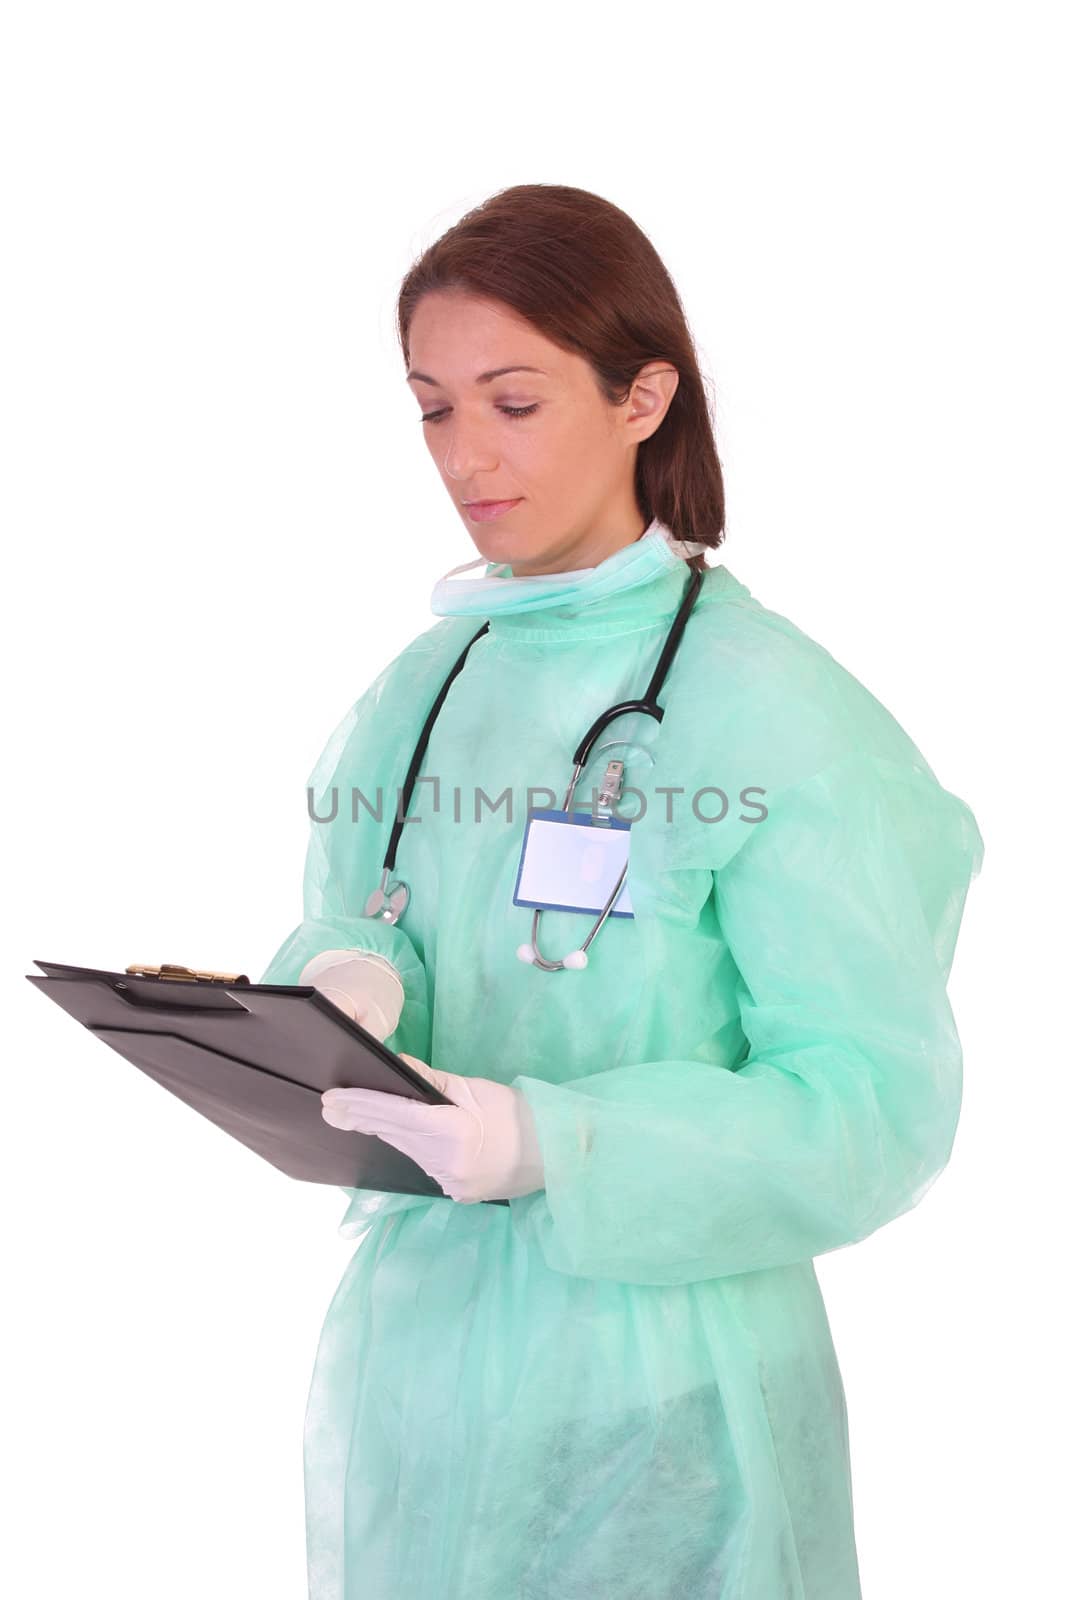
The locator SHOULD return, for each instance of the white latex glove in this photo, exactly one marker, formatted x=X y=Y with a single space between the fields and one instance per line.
x=485 y=1147
x=362 y=984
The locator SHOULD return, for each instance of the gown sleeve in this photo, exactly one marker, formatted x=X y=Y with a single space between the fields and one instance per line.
x=841 y=911
x=339 y=932
x=341 y=867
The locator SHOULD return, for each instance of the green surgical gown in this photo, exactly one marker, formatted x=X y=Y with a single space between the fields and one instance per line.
x=624 y=1385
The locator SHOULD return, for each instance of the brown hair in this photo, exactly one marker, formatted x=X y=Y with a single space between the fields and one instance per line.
x=582 y=272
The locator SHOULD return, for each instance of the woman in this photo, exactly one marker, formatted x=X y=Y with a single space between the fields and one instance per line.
x=621 y=1383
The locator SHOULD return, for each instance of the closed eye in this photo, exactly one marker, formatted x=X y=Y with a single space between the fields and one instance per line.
x=509 y=411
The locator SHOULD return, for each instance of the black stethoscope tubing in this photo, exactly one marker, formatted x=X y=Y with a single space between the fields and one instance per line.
x=646 y=705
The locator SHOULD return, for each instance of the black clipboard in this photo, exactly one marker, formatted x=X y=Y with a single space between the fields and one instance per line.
x=254 y=1058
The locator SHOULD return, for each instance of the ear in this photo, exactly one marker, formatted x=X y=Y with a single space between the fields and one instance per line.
x=651 y=394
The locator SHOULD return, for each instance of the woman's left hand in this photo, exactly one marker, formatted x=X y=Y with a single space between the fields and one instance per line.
x=484 y=1147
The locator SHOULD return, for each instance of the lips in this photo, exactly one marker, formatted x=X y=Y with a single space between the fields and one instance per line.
x=486 y=510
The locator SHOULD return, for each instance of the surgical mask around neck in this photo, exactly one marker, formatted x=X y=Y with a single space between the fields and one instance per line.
x=493 y=594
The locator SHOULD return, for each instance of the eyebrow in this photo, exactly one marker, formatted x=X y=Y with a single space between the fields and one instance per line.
x=483 y=377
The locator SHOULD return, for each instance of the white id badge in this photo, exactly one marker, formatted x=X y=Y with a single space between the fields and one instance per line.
x=571 y=863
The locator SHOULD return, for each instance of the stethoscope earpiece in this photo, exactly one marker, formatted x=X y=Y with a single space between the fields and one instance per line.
x=575 y=961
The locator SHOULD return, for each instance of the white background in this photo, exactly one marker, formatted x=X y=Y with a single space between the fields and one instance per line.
x=221 y=520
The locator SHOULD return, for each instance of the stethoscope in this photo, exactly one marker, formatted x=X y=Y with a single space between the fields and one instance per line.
x=389 y=901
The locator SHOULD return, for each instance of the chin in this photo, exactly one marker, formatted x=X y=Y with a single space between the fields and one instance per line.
x=501 y=541
x=496 y=544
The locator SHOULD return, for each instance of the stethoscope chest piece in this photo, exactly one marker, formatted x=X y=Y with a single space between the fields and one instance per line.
x=387 y=904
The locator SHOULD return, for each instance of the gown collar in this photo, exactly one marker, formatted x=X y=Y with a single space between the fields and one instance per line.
x=637 y=587
x=651 y=604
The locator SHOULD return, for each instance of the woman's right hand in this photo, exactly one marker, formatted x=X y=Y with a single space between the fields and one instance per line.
x=362 y=984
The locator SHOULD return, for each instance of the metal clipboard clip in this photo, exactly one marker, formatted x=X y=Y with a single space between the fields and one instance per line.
x=186 y=974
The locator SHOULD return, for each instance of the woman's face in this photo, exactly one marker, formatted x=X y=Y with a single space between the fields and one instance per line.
x=545 y=438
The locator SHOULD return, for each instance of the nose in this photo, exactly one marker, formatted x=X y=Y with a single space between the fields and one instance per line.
x=469 y=454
